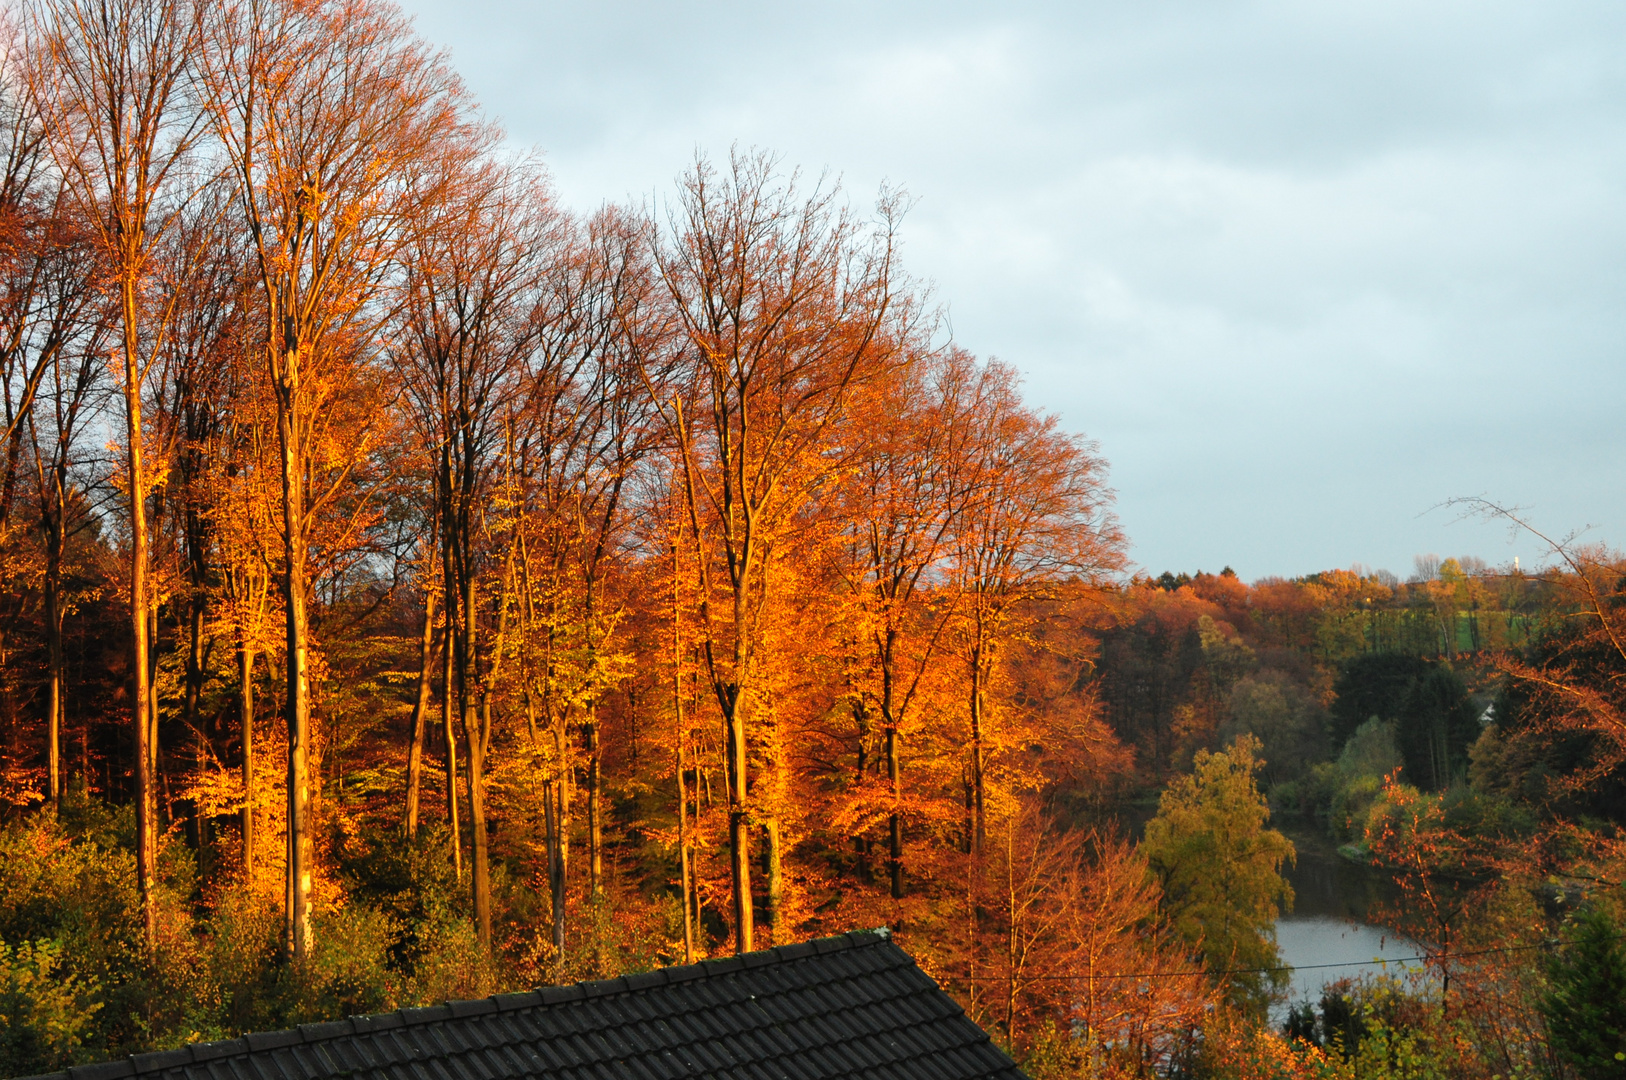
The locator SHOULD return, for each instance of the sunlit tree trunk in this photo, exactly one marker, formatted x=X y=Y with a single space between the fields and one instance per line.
x=975 y=801
x=146 y=808
x=53 y=632
x=245 y=726
x=449 y=737
x=197 y=605
x=477 y=730
x=109 y=80
x=595 y=820
x=296 y=711
x=895 y=818
x=420 y=713
x=685 y=882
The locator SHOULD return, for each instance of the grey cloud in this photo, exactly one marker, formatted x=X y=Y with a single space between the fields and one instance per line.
x=1304 y=269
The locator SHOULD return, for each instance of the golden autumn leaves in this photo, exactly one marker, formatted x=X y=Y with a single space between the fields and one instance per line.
x=712 y=460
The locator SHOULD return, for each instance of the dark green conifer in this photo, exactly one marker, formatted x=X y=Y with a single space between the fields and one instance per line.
x=1585 y=1004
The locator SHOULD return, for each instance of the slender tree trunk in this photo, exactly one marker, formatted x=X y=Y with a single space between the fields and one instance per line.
x=197 y=573
x=595 y=769
x=141 y=702
x=978 y=821
x=861 y=844
x=895 y=819
x=53 y=641
x=776 y=878
x=245 y=724
x=1010 y=932
x=300 y=854
x=196 y=827
x=552 y=809
x=558 y=810
x=420 y=713
x=973 y=983
x=53 y=511
x=447 y=648
x=467 y=686
x=595 y=823
x=477 y=825
x=164 y=809
x=739 y=837
x=685 y=883
x=893 y=774
x=556 y=871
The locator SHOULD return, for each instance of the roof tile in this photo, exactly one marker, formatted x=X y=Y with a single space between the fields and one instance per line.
x=853 y=1005
x=107 y=1070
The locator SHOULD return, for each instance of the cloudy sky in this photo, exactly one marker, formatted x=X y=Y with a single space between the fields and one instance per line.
x=1304 y=270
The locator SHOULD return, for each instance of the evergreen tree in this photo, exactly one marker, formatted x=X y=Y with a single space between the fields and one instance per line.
x=1585 y=1004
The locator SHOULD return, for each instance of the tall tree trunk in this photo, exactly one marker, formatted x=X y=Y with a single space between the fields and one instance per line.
x=197 y=828
x=164 y=809
x=477 y=825
x=893 y=774
x=420 y=713
x=1010 y=932
x=978 y=821
x=895 y=819
x=685 y=883
x=553 y=808
x=141 y=702
x=595 y=823
x=739 y=837
x=558 y=826
x=53 y=642
x=776 y=878
x=553 y=825
x=300 y=854
x=448 y=633
x=245 y=725
x=468 y=685
x=861 y=844
x=595 y=768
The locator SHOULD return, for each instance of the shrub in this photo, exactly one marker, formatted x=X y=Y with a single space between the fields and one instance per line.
x=46 y=1012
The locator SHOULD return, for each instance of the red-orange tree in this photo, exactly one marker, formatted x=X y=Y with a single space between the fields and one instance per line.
x=783 y=305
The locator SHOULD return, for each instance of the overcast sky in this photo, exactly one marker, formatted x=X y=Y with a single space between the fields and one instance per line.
x=1304 y=270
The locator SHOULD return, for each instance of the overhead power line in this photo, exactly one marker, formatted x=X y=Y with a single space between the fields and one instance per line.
x=1435 y=957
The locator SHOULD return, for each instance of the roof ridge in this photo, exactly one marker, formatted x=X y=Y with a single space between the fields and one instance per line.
x=414 y=1016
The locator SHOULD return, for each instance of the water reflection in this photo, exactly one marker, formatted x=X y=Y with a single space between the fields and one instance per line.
x=1324 y=950
x=1327 y=937
x=1326 y=884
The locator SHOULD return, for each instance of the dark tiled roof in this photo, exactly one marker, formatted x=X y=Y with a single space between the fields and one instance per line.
x=854 y=1005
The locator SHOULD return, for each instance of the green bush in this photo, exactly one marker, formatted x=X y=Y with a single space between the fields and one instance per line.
x=46 y=1012
x=432 y=953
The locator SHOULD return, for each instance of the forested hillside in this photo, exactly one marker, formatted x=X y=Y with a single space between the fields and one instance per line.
x=411 y=590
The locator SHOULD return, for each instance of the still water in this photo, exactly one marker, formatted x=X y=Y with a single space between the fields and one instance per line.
x=1326 y=936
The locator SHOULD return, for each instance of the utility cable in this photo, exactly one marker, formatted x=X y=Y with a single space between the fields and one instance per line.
x=1443 y=956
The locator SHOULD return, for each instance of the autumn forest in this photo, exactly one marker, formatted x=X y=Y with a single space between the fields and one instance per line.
x=411 y=590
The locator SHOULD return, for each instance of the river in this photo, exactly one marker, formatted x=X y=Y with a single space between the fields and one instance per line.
x=1326 y=936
